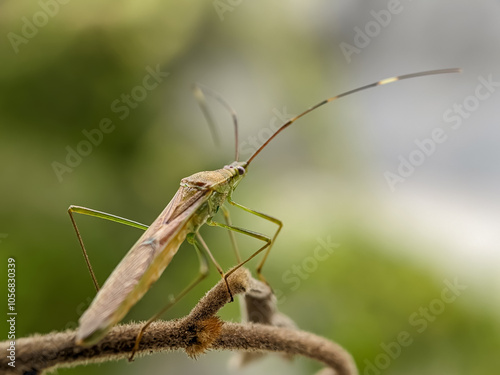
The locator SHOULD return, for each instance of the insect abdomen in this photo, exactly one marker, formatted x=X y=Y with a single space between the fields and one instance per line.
x=128 y=283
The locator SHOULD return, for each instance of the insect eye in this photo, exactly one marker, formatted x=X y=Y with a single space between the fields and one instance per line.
x=241 y=171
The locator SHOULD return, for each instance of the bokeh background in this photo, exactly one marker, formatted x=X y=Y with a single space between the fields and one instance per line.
x=324 y=177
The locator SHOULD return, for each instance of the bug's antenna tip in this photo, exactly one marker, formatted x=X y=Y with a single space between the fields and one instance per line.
x=374 y=84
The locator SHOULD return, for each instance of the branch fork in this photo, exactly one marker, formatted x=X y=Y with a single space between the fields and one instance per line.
x=266 y=330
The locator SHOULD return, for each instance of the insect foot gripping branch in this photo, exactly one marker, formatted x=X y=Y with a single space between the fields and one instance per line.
x=195 y=333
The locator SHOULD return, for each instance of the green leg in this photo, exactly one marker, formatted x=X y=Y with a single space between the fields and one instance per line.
x=268 y=241
x=203 y=272
x=279 y=223
x=219 y=268
x=103 y=215
x=227 y=219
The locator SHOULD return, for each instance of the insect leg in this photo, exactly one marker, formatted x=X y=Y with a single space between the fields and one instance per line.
x=103 y=215
x=227 y=219
x=203 y=272
x=278 y=222
x=250 y=233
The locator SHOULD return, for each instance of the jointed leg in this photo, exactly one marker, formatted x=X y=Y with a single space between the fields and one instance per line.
x=250 y=233
x=227 y=219
x=103 y=215
x=203 y=272
x=267 y=217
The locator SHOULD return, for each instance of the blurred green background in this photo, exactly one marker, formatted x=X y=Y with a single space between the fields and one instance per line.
x=324 y=177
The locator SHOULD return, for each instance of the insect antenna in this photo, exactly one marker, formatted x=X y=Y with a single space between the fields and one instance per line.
x=378 y=83
x=199 y=91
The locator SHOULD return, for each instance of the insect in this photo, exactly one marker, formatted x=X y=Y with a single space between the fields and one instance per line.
x=197 y=200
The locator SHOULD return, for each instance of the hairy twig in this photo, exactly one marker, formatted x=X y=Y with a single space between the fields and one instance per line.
x=195 y=333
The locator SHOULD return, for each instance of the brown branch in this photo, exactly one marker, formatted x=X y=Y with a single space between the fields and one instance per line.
x=195 y=333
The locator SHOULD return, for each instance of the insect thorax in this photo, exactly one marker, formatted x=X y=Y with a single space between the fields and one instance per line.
x=220 y=180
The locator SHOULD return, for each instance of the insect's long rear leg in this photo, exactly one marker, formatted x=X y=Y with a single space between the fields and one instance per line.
x=278 y=222
x=103 y=215
x=203 y=272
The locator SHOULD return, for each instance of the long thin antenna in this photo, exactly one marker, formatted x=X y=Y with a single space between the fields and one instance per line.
x=198 y=92
x=378 y=83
